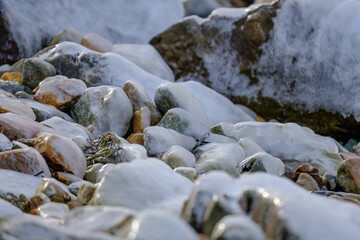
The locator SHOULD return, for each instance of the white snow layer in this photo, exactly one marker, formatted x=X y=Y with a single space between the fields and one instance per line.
x=120 y=21
x=8 y=210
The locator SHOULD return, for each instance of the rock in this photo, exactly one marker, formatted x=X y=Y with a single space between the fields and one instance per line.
x=6 y=94
x=351 y=200
x=11 y=87
x=5 y=143
x=348 y=175
x=139 y=99
x=14 y=126
x=45 y=111
x=67 y=129
x=158 y=140
x=130 y=152
x=69 y=35
x=177 y=156
x=104 y=170
x=61 y=154
x=262 y=162
x=35 y=201
x=237 y=227
x=59 y=91
x=141 y=120
x=33 y=227
x=313 y=172
x=82 y=219
x=290 y=142
x=307 y=182
x=116 y=21
x=66 y=178
x=146 y=222
x=171 y=95
x=188 y=172
x=144 y=186
x=92 y=172
x=250 y=147
x=25 y=95
x=236 y=49
x=147 y=58
x=86 y=192
x=13 y=105
x=55 y=190
x=184 y=122
x=12 y=77
x=219 y=156
x=36 y=70
x=75 y=187
x=8 y=210
x=19 y=189
x=26 y=160
x=330 y=181
x=136 y=138
x=96 y=43
x=52 y=210
x=100 y=107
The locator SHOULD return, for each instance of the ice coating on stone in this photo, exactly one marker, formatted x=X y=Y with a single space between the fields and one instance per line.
x=147 y=58
x=66 y=128
x=250 y=147
x=13 y=105
x=237 y=226
x=53 y=210
x=104 y=170
x=220 y=156
x=8 y=210
x=159 y=139
x=91 y=218
x=130 y=152
x=177 y=96
x=96 y=42
x=178 y=156
x=288 y=142
x=218 y=107
x=5 y=143
x=142 y=184
x=146 y=223
x=117 y=21
x=20 y=183
x=320 y=219
x=271 y=164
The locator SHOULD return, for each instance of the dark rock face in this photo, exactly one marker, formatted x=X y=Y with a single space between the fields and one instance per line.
x=9 y=50
x=257 y=60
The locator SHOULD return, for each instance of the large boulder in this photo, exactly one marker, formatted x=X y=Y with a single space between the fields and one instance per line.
x=294 y=62
x=118 y=21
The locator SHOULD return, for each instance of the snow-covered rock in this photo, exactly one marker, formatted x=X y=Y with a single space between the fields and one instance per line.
x=5 y=143
x=262 y=162
x=177 y=156
x=52 y=210
x=8 y=210
x=142 y=184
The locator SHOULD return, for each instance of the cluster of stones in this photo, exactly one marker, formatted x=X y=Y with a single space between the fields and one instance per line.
x=118 y=161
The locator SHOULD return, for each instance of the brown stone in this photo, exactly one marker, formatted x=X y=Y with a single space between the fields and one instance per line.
x=141 y=120
x=136 y=138
x=59 y=91
x=6 y=94
x=348 y=155
x=312 y=171
x=54 y=190
x=14 y=127
x=73 y=204
x=35 y=202
x=352 y=200
x=85 y=194
x=96 y=43
x=65 y=177
x=348 y=175
x=306 y=181
x=26 y=160
x=13 y=105
x=12 y=77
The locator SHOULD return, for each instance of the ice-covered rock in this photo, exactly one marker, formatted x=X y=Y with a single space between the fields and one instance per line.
x=147 y=58
x=177 y=156
x=95 y=42
x=290 y=142
x=52 y=210
x=130 y=152
x=142 y=184
x=158 y=140
x=14 y=126
x=92 y=218
x=141 y=120
x=262 y=162
x=107 y=108
x=59 y=91
x=11 y=87
x=188 y=172
x=117 y=21
x=54 y=190
x=219 y=156
x=171 y=95
x=68 y=35
x=61 y=153
x=13 y=105
x=273 y=54
x=250 y=147
x=45 y=111
x=25 y=160
x=280 y=200
x=150 y=225
x=67 y=129
x=8 y=210
x=5 y=143
x=183 y=122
